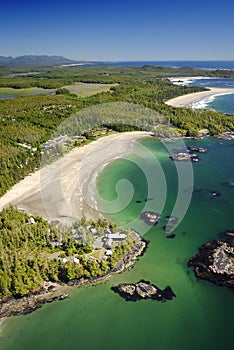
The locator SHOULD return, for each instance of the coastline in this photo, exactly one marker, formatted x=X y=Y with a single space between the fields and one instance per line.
x=54 y=291
x=27 y=195
x=189 y=99
x=185 y=81
x=63 y=191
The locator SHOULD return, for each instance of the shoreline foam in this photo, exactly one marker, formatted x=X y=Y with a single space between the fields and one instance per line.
x=190 y=99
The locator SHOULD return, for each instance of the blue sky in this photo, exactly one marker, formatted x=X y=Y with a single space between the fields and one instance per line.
x=119 y=30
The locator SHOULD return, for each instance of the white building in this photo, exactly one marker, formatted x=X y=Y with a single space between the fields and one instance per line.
x=31 y=221
x=76 y=261
x=116 y=236
x=109 y=252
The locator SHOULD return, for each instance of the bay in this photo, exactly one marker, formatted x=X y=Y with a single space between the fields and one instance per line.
x=201 y=315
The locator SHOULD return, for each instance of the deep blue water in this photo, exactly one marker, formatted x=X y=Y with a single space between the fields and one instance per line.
x=213 y=82
x=219 y=103
x=178 y=64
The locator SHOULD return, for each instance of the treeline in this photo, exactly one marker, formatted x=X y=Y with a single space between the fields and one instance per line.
x=53 y=78
x=29 y=82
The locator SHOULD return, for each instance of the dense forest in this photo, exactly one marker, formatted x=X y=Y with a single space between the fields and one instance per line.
x=32 y=251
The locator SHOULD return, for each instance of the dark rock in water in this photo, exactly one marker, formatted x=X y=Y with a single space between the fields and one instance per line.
x=171 y=236
x=150 y=218
x=215 y=194
x=143 y=290
x=208 y=192
x=145 y=200
x=215 y=263
x=197 y=149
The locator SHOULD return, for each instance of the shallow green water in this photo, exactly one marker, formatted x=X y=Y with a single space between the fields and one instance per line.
x=201 y=315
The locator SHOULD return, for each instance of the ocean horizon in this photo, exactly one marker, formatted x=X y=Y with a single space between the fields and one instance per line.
x=226 y=65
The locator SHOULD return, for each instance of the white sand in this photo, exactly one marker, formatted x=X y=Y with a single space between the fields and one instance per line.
x=56 y=191
x=187 y=100
x=187 y=80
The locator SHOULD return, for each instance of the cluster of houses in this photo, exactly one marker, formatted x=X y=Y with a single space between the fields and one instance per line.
x=71 y=259
x=108 y=240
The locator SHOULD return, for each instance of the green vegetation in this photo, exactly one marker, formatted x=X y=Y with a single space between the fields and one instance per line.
x=28 y=122
x=33 y=251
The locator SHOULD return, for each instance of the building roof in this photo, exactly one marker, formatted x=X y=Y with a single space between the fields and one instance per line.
x=109 y=252
x=117 y=235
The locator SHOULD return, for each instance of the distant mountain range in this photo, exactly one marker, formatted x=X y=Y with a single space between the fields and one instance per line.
x=34 y=60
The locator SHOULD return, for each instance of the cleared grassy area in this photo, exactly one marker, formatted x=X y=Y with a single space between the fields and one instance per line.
x=84 y=89
x=80 y=89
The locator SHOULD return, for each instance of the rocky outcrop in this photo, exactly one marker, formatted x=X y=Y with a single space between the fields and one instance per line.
x=215 y=263
x=143 y=290
x=184 y=156
x=48 y=293
x=150 y=218
x=197 y=149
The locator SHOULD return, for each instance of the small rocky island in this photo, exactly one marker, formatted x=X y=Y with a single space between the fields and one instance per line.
x=150 y=217
x=184 y=156
x=188 y=154
x=197 y=149
x=215 y=263
x=143 y=290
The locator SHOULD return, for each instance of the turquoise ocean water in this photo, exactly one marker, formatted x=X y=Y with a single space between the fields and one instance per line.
x=219 y=103
x=201 y=315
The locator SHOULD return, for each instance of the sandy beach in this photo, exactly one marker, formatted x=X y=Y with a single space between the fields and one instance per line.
x=189 y=99
x=57 y=191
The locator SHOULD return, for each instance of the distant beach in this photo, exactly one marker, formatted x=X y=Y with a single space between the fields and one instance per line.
x=189 y=99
